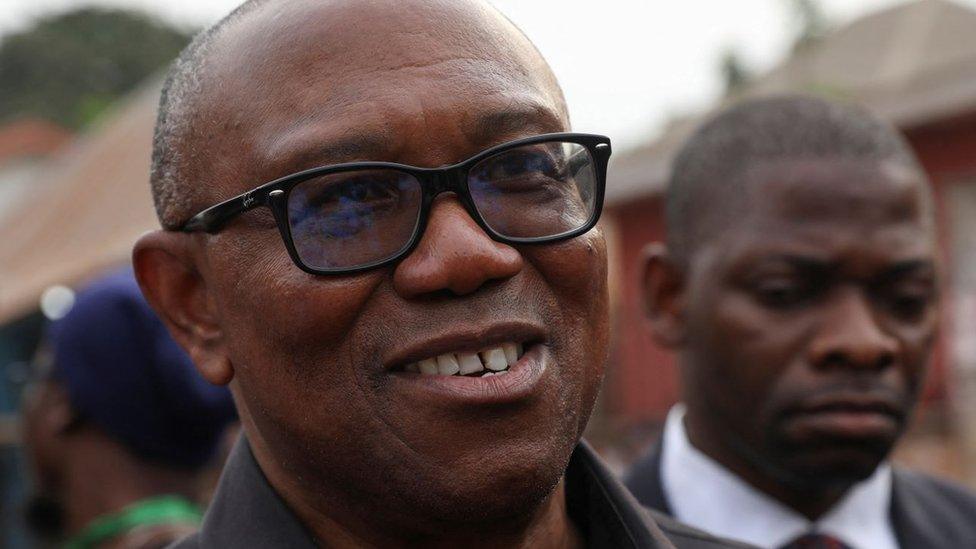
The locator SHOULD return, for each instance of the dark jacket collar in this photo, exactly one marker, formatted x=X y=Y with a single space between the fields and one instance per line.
x=644 y=480
x=247 y=512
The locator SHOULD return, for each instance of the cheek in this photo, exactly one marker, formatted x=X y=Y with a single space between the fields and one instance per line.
x=286 y=332
x=574 y=270
x=742 y=353
x=917 y=343
x=574 y=277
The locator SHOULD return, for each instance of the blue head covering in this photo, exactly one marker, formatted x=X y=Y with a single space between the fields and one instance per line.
x=124 y=373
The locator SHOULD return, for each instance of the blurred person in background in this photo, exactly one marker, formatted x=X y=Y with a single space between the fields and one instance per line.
x=800 y=287
x=121 y=431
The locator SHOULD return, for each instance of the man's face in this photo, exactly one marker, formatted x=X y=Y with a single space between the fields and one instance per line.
x=316 y=359
x=810 y=321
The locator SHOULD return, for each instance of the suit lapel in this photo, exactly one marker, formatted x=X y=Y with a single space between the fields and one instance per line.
x=909 y=518
x=644 y=481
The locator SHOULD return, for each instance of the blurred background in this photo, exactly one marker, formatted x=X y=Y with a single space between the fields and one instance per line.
x=79 y=83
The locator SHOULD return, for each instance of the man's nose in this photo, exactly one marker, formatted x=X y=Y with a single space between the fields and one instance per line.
x=454 y=255
x=850 y=336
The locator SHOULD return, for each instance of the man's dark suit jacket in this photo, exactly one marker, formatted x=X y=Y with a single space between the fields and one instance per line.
x=926 y=513
x=246 y=512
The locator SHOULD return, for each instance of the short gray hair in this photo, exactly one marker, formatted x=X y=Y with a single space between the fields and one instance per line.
x=172 y=194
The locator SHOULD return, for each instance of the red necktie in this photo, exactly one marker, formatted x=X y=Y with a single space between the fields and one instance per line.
x=816 y=541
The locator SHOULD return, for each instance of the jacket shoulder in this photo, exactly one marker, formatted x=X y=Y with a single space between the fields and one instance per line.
x=687 y=537
x=189 y=542
x=644 y=480
x=926 y=508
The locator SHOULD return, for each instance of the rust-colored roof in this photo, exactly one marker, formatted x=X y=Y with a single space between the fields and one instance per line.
x=92 y=202
x=911 y=64
x=31 y=137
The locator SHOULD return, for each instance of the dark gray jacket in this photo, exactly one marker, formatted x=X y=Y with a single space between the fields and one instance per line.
x=246 y=512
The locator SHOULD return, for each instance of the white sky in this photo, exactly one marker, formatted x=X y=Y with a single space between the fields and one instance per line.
x=626 y=66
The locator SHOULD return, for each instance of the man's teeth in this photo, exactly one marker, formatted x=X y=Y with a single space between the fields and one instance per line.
x=470 y=364
x=427 y=366
x=495 y=359
x=511 y=351
x=448 y=365
x=488 y=362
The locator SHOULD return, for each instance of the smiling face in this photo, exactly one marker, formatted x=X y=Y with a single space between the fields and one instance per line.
x=810 y=321
x=327 y=369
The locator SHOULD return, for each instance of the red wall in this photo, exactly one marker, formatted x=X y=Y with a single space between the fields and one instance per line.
x=642 y=382
x=947 y=151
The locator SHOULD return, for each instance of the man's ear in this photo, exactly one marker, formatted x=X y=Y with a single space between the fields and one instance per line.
x=664 y=295
x=172 y=283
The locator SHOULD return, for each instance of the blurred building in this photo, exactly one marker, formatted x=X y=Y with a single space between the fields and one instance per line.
x=25 y=147
x=913 y=64
x=69 y=210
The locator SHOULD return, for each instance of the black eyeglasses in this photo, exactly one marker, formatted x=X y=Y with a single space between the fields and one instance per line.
x=351 y=217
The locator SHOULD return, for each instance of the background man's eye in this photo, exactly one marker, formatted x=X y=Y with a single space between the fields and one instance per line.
x=911 y=305
x=780 y=294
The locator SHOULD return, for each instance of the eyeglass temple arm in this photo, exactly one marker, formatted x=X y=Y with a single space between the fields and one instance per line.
x=215 y=217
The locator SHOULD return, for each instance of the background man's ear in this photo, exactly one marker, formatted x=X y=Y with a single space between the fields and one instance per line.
x=168 y=275
x=663 y=295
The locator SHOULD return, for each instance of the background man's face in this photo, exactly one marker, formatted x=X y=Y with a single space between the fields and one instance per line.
x=810 y=322
x=301 y=88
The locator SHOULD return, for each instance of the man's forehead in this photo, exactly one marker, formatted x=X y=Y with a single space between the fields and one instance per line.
x=827 y=209
x=314 y=78
x=838 y=191
x=291 y=43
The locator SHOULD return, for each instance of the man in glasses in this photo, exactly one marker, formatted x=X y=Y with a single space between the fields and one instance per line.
x=799 y=286
x=377 y=234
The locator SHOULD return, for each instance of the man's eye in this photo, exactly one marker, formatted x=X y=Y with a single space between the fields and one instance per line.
x=911 y=304
x=521 y=164
x=780 y=294
x=355 y=192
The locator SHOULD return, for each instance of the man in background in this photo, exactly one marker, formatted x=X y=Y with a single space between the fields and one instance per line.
x=121 y=431
x=800 y=287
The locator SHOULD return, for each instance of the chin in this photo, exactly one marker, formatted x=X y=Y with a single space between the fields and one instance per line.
x=832 y=464
x=506 y=494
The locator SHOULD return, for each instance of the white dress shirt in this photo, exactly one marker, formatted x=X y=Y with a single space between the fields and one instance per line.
x=708 y=496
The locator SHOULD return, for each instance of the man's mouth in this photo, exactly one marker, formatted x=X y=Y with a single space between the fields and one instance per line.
x=491 y=361
x=847 y=416
x=495 y=364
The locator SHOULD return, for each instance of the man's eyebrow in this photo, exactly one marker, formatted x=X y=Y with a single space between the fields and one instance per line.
x=489 y=127
x=910 y=267
x=801 y=262
x=305 y=152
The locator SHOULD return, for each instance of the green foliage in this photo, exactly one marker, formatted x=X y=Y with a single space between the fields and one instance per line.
x=811 y=21
x=70 y=67
x=734 y=72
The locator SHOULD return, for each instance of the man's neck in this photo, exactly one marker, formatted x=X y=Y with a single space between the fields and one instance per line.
x=809 y=502
x=549 y=528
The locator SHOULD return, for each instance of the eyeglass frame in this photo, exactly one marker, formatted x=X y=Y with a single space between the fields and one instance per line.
x=433 y=182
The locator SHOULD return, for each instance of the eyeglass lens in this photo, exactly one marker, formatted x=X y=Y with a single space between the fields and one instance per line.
x=354 y=218
x=535 y=191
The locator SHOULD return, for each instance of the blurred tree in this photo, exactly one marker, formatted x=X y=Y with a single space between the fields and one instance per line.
x=811 y=21
x=734 y=71
x=70 y=67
